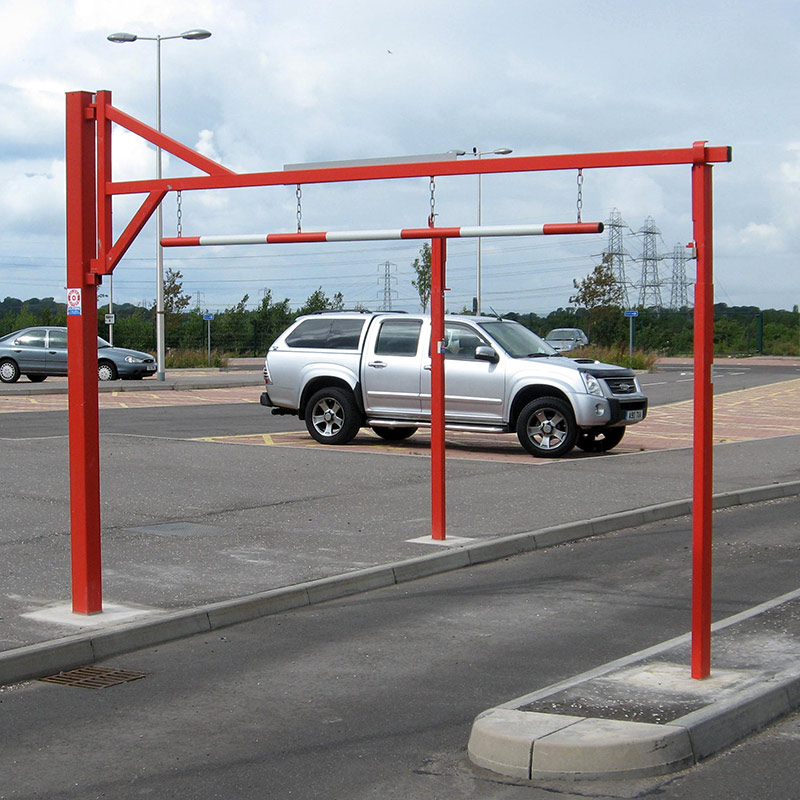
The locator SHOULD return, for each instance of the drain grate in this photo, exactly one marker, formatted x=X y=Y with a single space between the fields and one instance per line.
x=94 y=677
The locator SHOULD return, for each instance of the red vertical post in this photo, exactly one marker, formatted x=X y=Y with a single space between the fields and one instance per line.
x=438 y=498
x=84 y=448
x=703 y=417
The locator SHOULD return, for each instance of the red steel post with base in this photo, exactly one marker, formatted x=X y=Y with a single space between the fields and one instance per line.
x=703 y=417
x=438 y=461
x=84 y=448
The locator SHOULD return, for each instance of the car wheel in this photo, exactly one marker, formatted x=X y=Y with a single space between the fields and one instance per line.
x=332 y=416
x=36 y=378
x=9 y=371
x=393 y=434
x=600 y=441
x=546 y=428
x=106 y=371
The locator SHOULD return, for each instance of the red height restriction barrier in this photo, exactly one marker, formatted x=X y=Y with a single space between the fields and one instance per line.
x=92 y=253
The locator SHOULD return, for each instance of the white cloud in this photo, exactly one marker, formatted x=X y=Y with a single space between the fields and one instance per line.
x=279 y=83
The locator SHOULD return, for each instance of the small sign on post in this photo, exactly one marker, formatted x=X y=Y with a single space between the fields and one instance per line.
x=208 y=318
x=110 y=319
x=73 y=302
x=631 y=314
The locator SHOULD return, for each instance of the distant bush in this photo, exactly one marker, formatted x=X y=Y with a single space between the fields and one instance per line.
x=187 y=359
x=616 y=355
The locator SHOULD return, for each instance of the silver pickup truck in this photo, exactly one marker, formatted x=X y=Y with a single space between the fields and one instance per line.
x=339 y=371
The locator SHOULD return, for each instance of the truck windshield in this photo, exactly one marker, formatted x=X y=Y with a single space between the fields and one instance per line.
x=517 y=340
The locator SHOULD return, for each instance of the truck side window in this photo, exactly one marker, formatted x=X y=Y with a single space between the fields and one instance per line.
x=327 y=334
x=398 y=337
x=345 y=334
x=460 y=342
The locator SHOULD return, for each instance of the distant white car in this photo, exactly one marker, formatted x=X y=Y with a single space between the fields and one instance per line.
x=563 y=339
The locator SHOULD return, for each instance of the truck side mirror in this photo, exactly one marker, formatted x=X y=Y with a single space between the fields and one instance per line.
x=486 y=353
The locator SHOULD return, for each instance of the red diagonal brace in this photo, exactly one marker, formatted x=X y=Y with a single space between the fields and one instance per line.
x=105 y=265
x=166 y=143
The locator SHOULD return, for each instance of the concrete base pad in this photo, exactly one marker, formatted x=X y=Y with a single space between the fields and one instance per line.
x=450 y=541
x=112 y=614
x=644 y=715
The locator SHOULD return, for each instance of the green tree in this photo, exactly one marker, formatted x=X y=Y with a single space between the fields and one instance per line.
x=422 y=269
x=599 y=289
x=319 y=301
x=175 y=301
x=175 y=304
x=602 y=296
x=269 y=320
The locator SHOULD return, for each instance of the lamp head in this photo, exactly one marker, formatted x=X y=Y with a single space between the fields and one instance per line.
x=196 y=33
x=121 y=38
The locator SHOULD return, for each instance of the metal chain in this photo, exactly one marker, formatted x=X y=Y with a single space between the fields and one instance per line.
x=580 y=193
x=432 y=217
x=180 y=215
x=299 y=194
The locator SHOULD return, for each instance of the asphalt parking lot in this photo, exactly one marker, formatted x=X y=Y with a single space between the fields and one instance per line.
x=194 y=521
x=197 y=518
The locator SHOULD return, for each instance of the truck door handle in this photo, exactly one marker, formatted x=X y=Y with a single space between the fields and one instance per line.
x=377 y=364
x=427 y=367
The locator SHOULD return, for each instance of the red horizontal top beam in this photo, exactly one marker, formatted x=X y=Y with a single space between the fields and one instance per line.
x=698 y=154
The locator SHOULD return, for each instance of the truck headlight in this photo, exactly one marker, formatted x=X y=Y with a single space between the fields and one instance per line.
x=592 y=384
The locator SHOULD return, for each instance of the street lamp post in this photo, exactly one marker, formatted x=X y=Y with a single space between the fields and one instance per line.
x=501 y=151
x=124 y=38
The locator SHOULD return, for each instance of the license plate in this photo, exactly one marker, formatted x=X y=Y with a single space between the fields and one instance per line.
x=152 y=368
x=632 y=416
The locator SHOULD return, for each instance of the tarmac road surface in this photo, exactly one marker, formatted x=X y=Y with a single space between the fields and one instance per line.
x=372 y=696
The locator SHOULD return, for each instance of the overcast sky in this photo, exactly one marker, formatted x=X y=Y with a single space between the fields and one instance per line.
x=318 y=80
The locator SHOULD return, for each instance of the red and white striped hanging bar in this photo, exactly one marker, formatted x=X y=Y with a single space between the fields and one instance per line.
x=546 y=229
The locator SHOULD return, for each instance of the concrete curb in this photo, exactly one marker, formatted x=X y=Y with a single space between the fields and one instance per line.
x=46 y=658
x=185 y=384
x=533 y=745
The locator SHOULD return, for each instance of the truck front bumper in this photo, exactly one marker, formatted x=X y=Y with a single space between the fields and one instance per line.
x=592 y=411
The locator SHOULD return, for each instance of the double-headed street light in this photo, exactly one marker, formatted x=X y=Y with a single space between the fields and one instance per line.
x=124 y=38
x=500 y=151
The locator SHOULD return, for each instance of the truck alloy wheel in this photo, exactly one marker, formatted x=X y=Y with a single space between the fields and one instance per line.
x=332 y=416
x=546 y=428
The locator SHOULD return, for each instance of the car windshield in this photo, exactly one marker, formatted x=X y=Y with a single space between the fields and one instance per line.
x=102 y=343
x=561 y=335
x=517 y=340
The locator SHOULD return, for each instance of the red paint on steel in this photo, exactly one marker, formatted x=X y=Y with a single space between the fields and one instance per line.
x=180 y=241
x=366 y=235
x=703 y=422
x=165 y=143
x=287 y=238
x=90 y=254
x=633 y=158
x=572 y=227
x=429 y=233
x=84 y=448
x=438 y=471
x=105 y=263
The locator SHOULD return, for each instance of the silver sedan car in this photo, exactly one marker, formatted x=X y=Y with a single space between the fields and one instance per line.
x=42 y=351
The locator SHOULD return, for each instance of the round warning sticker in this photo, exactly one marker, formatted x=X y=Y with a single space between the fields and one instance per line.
x=73 y=301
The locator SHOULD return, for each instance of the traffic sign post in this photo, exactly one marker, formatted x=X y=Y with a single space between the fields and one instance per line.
x=208 y=318
x=631 y=315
